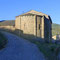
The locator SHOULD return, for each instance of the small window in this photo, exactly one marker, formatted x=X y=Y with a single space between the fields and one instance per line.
x=39 y=26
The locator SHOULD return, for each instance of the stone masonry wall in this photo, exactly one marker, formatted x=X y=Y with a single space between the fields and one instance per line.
x=26 y=24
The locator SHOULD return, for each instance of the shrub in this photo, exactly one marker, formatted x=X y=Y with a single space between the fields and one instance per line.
x=3 y=41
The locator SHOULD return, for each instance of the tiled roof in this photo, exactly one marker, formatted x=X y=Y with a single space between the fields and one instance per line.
x=36 y=13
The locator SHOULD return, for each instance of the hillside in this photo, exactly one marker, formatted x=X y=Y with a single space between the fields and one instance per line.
x=7 y=22
x=55 y=29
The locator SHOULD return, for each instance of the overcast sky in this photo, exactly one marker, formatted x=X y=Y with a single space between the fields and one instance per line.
x=11 y=8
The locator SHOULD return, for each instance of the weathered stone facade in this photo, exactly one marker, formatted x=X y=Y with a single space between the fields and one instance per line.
x=35 y=24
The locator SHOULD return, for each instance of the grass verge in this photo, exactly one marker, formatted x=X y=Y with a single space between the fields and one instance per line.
x=3 y=41
x=48 y=49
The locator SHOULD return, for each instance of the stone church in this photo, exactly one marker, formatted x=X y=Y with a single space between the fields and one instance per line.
x=35 y=23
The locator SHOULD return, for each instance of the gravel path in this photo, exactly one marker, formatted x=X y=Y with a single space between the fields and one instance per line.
x=20 y=49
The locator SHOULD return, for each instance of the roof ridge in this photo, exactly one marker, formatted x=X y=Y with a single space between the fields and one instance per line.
x=36 y=13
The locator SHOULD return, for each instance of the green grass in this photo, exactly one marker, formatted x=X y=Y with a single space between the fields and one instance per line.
x=48 y=49
x=55 y=29
x=3 y=41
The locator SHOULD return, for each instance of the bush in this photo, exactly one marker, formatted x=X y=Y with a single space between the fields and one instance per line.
x=3 y=41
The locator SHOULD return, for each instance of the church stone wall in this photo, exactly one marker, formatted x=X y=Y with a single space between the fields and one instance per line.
x=29 y=25
x=17 y=22
x=26 y=24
